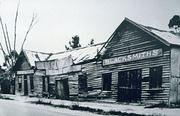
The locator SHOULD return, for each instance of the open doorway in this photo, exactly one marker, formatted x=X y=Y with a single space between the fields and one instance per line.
x=62 y=88
x=25 y=85
x=129 y=86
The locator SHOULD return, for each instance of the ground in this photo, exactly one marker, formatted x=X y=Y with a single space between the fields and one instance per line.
x=23 y=104
x=17 y=108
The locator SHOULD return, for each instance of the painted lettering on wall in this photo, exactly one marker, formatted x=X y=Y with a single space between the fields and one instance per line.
x=133 y=57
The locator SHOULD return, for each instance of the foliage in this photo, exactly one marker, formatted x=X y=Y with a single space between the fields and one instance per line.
x=91 y=42
x=74 y=43
x=175 y=23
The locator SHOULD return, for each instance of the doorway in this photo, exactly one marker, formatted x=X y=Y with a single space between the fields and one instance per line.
x=82 y=84
x=62 y=89
x=129 y=86
x=25 y=85
x=45 y=86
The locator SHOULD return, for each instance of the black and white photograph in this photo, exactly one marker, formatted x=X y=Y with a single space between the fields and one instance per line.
x=89 y=57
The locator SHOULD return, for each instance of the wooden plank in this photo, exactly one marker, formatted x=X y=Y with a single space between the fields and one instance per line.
x=24 y=72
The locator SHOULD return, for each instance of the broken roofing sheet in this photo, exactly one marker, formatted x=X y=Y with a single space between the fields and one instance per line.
x=78 y=55
x=33 y=56
x=82 y=54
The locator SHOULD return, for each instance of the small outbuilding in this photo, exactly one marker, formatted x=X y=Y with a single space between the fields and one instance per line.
x=28 y=80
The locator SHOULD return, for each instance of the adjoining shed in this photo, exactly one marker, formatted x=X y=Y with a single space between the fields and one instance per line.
x=28 y=80
x=68 y=70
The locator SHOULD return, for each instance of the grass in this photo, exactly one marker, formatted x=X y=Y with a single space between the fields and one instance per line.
x=163 y=105
x=5 y=98
x=93 y=110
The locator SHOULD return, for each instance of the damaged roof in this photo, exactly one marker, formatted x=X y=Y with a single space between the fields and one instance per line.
x=81 y=54
x=78 y=55
x=87 y=53
x=33 y=56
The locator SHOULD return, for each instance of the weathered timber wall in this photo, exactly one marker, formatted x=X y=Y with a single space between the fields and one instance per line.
x=23 y=65
x=175 y=76
x=38 y=85
x=131 y=40
x=72 y=82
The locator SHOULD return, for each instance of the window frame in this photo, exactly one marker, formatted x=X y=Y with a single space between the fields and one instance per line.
x=19 y=83
x=31 y=80
x=109 y=84
x=155 y=77
x=82 y=83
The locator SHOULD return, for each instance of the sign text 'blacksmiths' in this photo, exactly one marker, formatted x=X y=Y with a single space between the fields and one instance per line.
x=133 y=57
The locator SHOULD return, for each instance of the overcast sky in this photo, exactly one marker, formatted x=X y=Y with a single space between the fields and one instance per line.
x=59 y=20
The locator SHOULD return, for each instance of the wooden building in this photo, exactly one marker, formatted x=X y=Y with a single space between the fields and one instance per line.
x=141 y=64
x=137 y=64
x=67 y=71
x=28 y=80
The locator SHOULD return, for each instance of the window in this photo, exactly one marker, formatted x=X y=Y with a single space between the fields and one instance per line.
x=31 y=83
x=106 y=79
x=155 y=77
x=82 y=81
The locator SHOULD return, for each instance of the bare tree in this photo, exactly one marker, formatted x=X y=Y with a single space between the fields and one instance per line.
x=11 y=54
x=32 y=23
x=15 y=23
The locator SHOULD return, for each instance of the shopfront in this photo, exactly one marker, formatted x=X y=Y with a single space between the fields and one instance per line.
x=139 y=63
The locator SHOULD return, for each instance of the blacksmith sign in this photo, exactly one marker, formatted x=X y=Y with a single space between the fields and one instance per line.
x=133 y=57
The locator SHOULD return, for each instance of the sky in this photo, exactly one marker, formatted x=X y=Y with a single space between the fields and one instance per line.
x=59 y=20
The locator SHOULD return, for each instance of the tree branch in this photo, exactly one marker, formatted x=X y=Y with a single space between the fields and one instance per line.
x=4 y=53
x=32 y=23
x=15 y=23
x=7 y=35
x=4 y=35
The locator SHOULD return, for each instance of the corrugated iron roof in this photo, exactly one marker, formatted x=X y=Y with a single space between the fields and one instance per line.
x=82 y=54
x=166 y=37
x=33 y=56
x=78 y=55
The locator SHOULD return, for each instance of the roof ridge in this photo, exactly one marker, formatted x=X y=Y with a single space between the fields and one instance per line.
x=50 y=53
x=150 y=27
x=144 y=28
x=78 y=48
x=37 y=51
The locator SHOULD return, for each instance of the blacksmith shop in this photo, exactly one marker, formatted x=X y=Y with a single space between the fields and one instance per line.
x=142 y=64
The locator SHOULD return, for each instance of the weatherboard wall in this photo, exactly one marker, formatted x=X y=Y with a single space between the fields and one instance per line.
x=129 y=40
x=175 y=76
x=23 y=69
